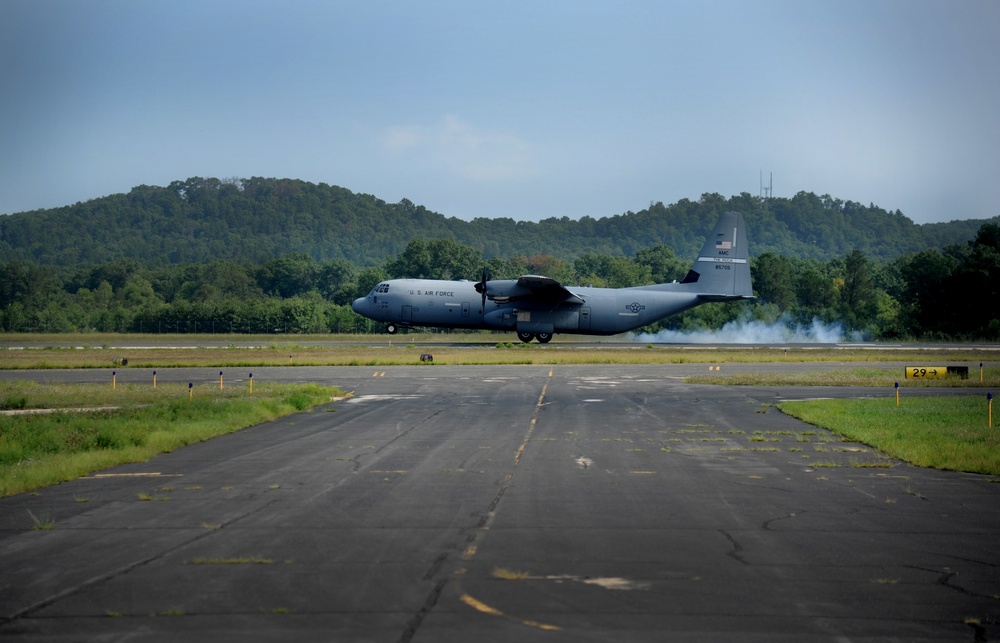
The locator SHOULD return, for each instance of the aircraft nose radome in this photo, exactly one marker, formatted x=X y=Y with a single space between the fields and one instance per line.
x=357 y=304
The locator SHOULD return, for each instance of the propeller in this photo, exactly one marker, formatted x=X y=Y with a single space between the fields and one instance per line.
x=481 y=286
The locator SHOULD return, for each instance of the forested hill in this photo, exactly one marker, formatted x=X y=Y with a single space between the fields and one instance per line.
x=259 y=219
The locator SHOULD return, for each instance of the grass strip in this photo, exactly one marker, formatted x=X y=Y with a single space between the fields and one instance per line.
x=476 y=349
x=883 y=377
x=37 y=450
x=950 y=433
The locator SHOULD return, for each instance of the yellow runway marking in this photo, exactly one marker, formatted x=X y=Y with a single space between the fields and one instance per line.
x=471 y=550
x=480 y=606
x=534 y=422
x=135 y=475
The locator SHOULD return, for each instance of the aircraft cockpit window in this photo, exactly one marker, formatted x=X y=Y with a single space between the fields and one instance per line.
x=381 y=288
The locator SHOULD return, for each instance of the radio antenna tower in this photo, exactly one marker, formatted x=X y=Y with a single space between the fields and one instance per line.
x=765 y=190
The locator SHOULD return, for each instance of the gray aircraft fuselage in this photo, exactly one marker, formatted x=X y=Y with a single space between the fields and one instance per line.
x=456 y=304
x=536 y=307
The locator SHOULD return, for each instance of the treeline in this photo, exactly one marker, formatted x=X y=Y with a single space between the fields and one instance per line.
x=257 y=220
x=943 y=294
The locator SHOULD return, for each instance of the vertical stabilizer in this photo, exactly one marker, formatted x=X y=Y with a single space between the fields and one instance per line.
x=722 y=269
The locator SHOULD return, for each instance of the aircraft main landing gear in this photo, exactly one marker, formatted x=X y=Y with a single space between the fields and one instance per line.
x=392 y=329
x=543 y=338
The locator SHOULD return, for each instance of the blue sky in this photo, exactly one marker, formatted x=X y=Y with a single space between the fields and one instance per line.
x=518 y=109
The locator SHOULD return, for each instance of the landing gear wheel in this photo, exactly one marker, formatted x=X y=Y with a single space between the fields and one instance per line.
x=392 y=329
x=544 y=338
x=525 y=337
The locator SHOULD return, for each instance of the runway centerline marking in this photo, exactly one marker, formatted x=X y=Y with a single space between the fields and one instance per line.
x=534 y=421
x=472 y=548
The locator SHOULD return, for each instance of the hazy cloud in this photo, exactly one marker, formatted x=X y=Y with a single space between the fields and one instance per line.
x=462 y=149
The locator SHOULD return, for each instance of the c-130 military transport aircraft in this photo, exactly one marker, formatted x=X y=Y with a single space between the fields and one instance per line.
x=537 y=306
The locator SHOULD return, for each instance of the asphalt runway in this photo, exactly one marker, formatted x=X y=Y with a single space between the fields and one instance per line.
x=528 y=503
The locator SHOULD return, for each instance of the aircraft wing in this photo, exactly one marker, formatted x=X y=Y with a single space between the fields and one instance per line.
x=534 y=289
x=547 y=289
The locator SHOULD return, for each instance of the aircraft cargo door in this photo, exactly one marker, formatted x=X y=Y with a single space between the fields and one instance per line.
x=585 y=318
x=407 y=313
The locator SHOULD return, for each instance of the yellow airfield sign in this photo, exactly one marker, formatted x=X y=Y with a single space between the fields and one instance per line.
x=936 y=372
x=923 y=372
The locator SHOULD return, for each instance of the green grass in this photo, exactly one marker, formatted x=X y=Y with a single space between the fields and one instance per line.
x=37 y=450
x=245 y=351
x=950 y=433
x=44 y=523
x=883 y=377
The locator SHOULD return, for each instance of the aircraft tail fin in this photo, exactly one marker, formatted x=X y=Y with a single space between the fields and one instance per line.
x=722 y=269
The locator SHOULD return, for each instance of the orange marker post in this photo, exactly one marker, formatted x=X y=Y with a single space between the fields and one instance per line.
x=989 y=404
x=897 y=393
x=190 y=390
x=114 y=379
x=220 y=380
x=251 y=383
x=154 y=379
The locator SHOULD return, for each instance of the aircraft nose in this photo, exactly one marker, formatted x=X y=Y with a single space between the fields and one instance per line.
x=358 y=304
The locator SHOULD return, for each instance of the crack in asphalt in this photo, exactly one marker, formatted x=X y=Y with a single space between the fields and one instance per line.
x=93 y=582
x=473 y=534
x=766 y=525
x=418 y=618
x=734 y=553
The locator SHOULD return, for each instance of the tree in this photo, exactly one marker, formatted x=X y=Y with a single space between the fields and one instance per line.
x=437 y=259
x=772 y=280
x=976 y=286
x=664 y=265
x=288 y=276
x=611 y=271
x=816 y=294
x=859 y=299
x=138 y=295
x=337 y=281
x=926 y=292
x=116 y=274
x=303 y=314
x=549 y=266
